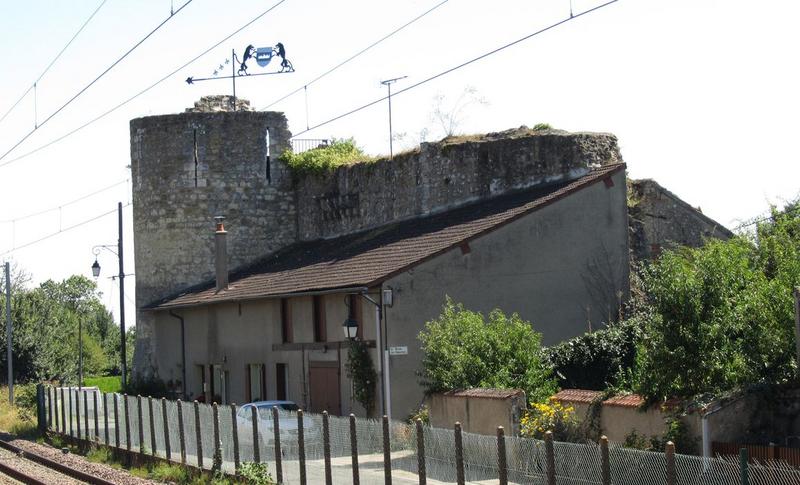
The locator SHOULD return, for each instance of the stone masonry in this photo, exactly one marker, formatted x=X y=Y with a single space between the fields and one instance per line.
x=209 y=161
x=658 y=220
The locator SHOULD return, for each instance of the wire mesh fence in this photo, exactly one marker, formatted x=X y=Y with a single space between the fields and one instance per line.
x=301 y=448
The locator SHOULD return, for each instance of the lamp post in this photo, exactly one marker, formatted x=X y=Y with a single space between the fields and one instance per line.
x=121 y=276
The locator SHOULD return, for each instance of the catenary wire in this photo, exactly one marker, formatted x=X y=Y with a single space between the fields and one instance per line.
x=77 y=224
x=32 y=86
x=309 y=83
x=463 y=64
x=108 y=112
x=83 y=90
x=65 y=204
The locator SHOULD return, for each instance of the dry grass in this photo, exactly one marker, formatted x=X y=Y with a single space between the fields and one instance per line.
x=15 y=419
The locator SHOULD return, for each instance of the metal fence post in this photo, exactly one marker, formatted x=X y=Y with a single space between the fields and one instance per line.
x=744 y=467
x=86 y=415
x=71 y=425
x=96 y=418
x=199 y=437
x=140 y=416
x=78 y=413
x=235 y=433
x=387 y=452
x=423 y=479
x=276 y=425
x=502 y=463
x=256 y=441
x=105 y=417
x=127 y=422
x=216 y=461
x=354 y=449
x=63 y=413
x=50 y=405
x=301 y=446
x=326 y=447
x=152 y=425
x=55 y=411
x=669 y=454
x=167 y=450
x=181 y=432
x=459 y=454
x=116 y=419
x=605 y=465
x=550 y=458
x=41 y=411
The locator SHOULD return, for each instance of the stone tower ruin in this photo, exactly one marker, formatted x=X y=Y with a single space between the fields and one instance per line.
x=188 y=168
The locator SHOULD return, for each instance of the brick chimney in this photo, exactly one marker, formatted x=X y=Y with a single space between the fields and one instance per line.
x=221 y=254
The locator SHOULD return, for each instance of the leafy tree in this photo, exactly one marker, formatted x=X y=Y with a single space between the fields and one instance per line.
x=464 y=350
x=723 y=314
x=45 y=339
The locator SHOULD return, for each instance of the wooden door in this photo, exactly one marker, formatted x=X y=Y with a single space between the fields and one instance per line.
x=324 y=383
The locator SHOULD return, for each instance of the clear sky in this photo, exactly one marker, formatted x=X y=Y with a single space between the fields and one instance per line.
x=702 y=94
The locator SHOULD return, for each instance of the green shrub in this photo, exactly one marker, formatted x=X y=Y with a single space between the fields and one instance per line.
x=324 y=159
x=255 y=474
x=722 y=315
x=542 y=127
x=594 y=360
x=361 y=371
x=464 y=350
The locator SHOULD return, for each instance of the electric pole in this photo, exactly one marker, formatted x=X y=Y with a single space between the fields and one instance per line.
x=9 y=333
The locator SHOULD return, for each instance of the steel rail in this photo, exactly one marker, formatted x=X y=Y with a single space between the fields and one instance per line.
x=48 y=463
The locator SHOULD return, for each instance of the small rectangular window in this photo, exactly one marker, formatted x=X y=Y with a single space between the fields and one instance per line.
x=286 y=321
x=281 y=381
x=319 y=319
x=255 y=383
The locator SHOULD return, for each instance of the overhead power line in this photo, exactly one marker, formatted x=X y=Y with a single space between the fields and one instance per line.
x=65 y=204
x=337 y=66
x=83 y=90
x=32 y=86
x=143 y=91
x=68 y=228
x=463 y=64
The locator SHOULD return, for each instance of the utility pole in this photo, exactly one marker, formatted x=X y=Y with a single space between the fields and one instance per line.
x=388 y=83
x=9 y=333
x=123 y=349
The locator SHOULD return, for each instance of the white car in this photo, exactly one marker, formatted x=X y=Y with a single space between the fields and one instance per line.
x=287 y=423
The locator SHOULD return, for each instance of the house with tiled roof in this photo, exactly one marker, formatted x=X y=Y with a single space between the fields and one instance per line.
x=257 y=304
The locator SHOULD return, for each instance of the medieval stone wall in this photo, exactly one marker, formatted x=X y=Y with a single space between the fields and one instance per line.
x=658 y=220
x=209 y=161
x=443 y=175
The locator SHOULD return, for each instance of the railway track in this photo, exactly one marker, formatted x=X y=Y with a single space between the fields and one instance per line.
x=33 y=469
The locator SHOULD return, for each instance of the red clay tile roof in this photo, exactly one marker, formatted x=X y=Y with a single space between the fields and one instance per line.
x=369 y=257
x=629 y=401
x=486 y=393
x=576 y=396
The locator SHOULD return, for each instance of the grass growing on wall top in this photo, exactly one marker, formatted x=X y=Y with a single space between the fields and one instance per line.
x=326 y=159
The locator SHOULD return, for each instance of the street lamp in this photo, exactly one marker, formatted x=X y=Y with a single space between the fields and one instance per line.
x=96 y=272
x=350 y=328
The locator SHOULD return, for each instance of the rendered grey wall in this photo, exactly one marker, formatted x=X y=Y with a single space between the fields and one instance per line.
x=546 y=266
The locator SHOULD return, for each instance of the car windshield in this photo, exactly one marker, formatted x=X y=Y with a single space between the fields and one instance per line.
x=285 y=406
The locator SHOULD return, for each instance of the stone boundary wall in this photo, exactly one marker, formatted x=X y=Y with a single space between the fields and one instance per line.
x=443 y=175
